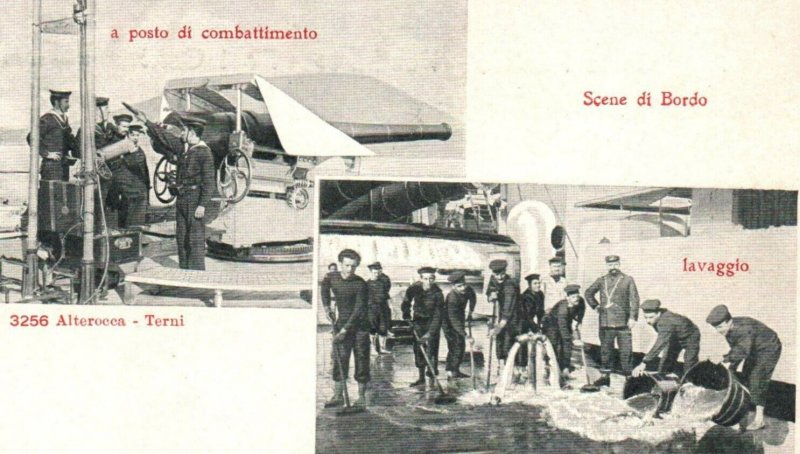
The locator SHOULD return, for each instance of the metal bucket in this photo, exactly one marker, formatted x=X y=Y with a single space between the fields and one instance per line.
x=717 y=377
x=664 y=385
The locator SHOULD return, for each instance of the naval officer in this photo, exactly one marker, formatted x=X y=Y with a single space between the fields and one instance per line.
x=618 y=310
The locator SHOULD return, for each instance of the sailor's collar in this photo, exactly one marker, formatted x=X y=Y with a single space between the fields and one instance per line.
x=62 y=116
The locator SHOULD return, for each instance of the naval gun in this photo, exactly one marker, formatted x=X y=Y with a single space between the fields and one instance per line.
x=287 y=141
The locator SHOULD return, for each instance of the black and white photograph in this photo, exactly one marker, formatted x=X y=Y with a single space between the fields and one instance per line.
x=496 y=317
x=267 y=105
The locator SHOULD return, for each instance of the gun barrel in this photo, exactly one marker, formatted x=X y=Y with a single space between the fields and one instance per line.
x=260 y=128
x=394 y=201
x=377 y=133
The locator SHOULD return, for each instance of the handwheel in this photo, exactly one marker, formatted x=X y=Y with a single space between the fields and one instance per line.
x=164 y=176
x=298 y=198
x=234 y=176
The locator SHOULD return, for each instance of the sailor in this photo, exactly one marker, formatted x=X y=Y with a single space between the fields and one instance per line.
x=675 y=333
x=753 y=343
x=533 y=302
x=132 y=179
x=513 y=321
x=558 y=326
x=554 y=283
x=380 y=314
x=618 y=310
x=426 y=300
x=105 y=134
x=460 y=299
x=351 y=326
x=57 y=146
x=195 y=184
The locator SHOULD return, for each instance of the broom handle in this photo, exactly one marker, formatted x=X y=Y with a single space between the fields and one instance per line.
x=491 y=342
x=583 y=356
x=341 y=370
x=422 y=347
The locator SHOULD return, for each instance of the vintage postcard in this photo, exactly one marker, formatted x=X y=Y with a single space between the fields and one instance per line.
x=288 y=101
x=554 y=318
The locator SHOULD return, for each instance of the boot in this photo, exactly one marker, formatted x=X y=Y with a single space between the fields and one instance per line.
x=604 y=380
x=362 y=395
x=458 y=374
x=501 y=364
x=382 y=343
x=421 y=379
x=338 y=395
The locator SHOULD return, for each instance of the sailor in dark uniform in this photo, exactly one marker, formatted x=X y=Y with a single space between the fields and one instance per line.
x=513 y=321
x=196 y=184
x=675 y=333
x=618 y=310
x=460 y=299
x=533 y=302
x=351 y=326
x=426 y=300
x=380 y=314
x=105 y=134
x=57 y=146
x=558 y=326
x=132 y=179
x=754 y=343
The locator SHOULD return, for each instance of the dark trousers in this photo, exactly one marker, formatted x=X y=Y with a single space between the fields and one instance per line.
x=456 y=346
x=561 y=346
x=380 y=315
x=54 y=170
x=624 y=343
x=432 y=350
x=357 y=343
x=691 y=348
x=757 y=370
x=111 y=204
x=133 y=211
x=190 y=232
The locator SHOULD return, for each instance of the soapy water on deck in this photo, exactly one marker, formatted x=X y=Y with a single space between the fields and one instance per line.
x=605 y=417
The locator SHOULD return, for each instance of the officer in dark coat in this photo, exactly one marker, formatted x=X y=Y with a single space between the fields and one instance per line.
x=133 y=180
x=675 y=333
x=618 y=309
x=57 y=146
x=380 y=314
x=557 y=326
x=351 y=326
x=533 y=302
x=426 y=300
x=458 y=300
x=754 y=343
x=512 y=317
x=196 y=183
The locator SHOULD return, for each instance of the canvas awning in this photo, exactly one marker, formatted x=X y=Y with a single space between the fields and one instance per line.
x=650 y=200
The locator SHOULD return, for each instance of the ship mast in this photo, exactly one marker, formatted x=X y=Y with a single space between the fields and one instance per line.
x=31 y=244
x=85 y=17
